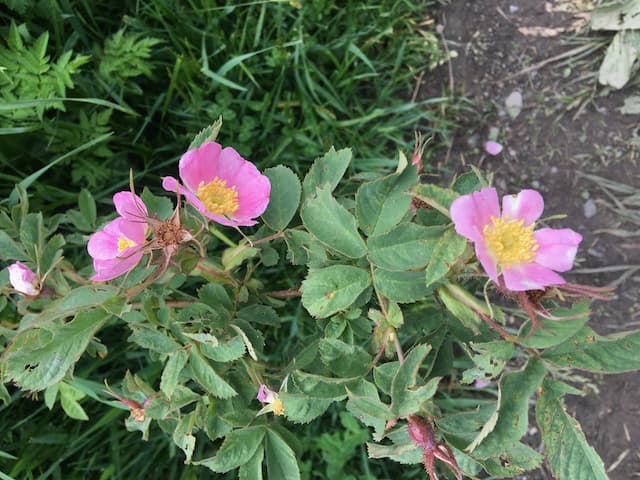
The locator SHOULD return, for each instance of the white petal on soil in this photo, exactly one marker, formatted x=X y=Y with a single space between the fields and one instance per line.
x=514 y=104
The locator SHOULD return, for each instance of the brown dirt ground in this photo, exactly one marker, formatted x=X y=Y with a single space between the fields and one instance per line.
x=569 y=127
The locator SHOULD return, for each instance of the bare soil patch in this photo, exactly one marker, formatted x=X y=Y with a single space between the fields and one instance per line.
x=568 y=137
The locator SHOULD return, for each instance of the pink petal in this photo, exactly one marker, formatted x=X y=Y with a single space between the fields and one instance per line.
x=110 y=269
x=22 y=279
x=199 y=165
x=557 y=248
x=470 y=213
x=130 y=206
x=233 y=168
x=265 y=394
x=103 y=245
x=493 y=148
x=486 y=260
x=530 y=276
x=253 y=197
x=526 y=205
x=171 y=184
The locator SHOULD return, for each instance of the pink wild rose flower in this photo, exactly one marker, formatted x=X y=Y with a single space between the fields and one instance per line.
x=118 y=247
x=507 y=244
x=222 y=185
x=23 y=280
x=271 y=398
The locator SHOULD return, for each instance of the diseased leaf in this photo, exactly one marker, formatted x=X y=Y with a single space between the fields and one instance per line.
x=568 y=453
x=329 y=290
x=40 y=357
x=587 y=350
x=512 y=412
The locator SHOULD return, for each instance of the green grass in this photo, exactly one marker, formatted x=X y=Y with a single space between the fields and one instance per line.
x=289 y=82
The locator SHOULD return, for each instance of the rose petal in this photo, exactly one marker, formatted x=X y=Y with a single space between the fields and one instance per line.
x=199 y=165
x=487 y=261
x=530 y=276
x=493 y=148
x=130 y=206
x=110 y=269
x=470 y=213
x=557 y=248
x=22 y=279
x=526 y=205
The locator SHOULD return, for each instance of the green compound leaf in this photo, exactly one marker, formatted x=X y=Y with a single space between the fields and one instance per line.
x=567 y=450
x=436 y=197
x=331 y=289
x=40 y=357
x=381 y=204
x=77 y=300
x=408 y=246
x=207 y=377
x=11 y=250
x=402 y=287
x=281 y=461
x=300 y=408
x=154 y=340
x=326 y=172
x=449 y=248
x=406 y=398
x=208 y=134
x=238 y=448
x=602 y=354
x=171 y=373
x=369 y=409
x=489 y=358
x=69 y=397
x=252 y=470
x=553 y=332
x=513 y=462
x=284 y=198
x=332 y=224
x=343 y=359
x=511 y=416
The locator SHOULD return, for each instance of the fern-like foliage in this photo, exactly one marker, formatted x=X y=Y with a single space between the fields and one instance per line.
x=27 y=72
x=126 y=55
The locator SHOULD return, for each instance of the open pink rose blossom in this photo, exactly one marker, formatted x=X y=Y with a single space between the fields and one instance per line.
x=222 y=185
x=507 y=243
x=118 y=247
x=23 y=280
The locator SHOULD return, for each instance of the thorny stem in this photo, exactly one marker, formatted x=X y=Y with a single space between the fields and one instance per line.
x=290 y=293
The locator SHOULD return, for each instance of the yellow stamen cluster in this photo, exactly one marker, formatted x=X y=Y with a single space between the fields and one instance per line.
x=278 y=407
x=217 y=198
x=510 y=242
x=124 y=243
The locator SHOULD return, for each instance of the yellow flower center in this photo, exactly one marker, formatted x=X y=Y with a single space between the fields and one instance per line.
x=124 y=243
x=278 y=407
x=217 y=198
x=510 y=242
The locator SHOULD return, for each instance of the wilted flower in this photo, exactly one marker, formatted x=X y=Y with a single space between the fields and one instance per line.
x=272 y=399
x=118 y=247
x=506 y=244
x=222 y=185
x=23 y=280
